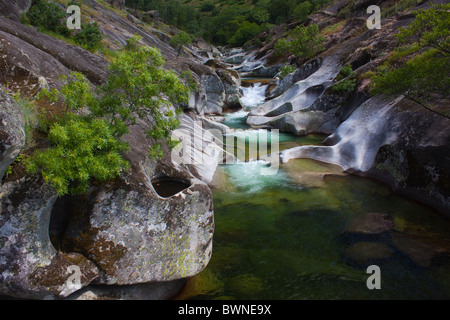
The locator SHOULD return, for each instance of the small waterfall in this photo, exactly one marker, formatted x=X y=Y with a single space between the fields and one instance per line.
x=302 y=93
x=252 y=97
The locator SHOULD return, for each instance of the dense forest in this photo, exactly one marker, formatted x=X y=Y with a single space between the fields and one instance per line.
x=231 y=22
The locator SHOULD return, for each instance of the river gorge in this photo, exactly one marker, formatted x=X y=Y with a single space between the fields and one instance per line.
x=286 y=236
x=283 y=185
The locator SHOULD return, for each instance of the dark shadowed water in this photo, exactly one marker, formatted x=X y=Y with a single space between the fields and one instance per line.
x=282 y=236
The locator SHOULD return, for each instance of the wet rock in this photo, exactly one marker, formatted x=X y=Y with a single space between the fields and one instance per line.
x=365 y=253
x=300 y=74
x=24 y=73
x=136 y=236
x=12 y=131
x=370 y=224
x=304 y=92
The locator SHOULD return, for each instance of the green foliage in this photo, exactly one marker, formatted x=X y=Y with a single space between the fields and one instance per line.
x=346 y=83
x=427 y=74
x=10 y=168
x=302 y=11
x=227 y=22
x=346 y=71
x=90 y=36
x=46 y=15
x=207 y=7
x=139 y=85
x=179 y=40
x=286 y=69
x=85 y=148
x=49 y=17
x=419 y=79
x=30 y=115
x=302 y=42
x=431 y=27
x=246 y=31
x=344 y=86
x=81 y=149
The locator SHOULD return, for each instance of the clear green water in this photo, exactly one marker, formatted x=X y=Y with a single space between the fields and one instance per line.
x=278 y=238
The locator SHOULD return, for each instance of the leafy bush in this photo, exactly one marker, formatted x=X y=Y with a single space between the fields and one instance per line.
x=286 y=69
x=46 y=15
x=419 y=79
x=246 y=31
x=427 y=74
x=50 y=17
x=431 y=27
x=344 y=86
x=89 y=147
x=207 y=7
x=346 y=71
x=303 y=42
x=302 y=11
x=179 y=40
x=89 y=36
x=81 y=149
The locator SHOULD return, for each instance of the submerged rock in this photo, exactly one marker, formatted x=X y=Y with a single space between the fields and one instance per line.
x=365 y=253
x=370 y=224
x=422 y=250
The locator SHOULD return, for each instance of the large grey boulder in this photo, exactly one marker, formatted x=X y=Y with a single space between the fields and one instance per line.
x=154 y=224
x=136 y=236
x=30 y=266
x=12 y=131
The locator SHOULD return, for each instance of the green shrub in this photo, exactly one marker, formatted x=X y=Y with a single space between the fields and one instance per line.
x=431 y=27
x=302 y=42
x=179 y=40
x=82 y=149
x=46 y=15
x=86 y=148
x=419 y=79
x=246 y=31
x=344 y=86
x=426 y=75
x=286 y=69
x=346 y=71
x=89 y=36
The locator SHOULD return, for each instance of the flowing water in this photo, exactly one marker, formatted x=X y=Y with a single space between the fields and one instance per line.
x=281 y=236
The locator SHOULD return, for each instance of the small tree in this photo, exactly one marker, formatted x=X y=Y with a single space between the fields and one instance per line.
x=179 y=40
x=428 y=73
x=89 y=147
x=304 y=42
x=431 y=27
x=90 y=36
